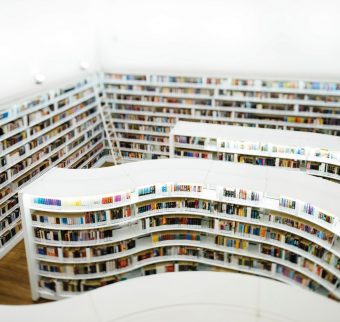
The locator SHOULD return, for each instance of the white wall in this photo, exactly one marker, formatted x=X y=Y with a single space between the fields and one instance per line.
x=266 y=38
x=38 y=36
x=253 y=38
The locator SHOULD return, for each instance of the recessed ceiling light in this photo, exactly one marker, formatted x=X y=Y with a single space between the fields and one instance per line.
x=39 y=78
x=84 y=65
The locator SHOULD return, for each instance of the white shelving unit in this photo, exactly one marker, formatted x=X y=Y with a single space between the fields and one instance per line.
x=63 y=127
x=89 y=228
x=145 y=107
x=317 y=154
x=60 y=128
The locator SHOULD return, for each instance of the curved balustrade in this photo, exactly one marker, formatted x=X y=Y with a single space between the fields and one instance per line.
x=201 y=296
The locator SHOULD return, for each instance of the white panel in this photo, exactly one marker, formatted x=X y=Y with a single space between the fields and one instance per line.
x=47 y=37
x=262 y=38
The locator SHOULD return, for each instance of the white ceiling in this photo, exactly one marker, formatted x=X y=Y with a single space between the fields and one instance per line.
x=296 y=39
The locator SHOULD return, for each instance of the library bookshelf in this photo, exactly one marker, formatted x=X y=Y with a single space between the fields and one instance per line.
x=89 y=228
x=146 y=106
x=59 y=128
x=64 y=127
x=194 y=296
x=317 y=154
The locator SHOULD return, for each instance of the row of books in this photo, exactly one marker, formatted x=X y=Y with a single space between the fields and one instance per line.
x=179 y=250
x=190 y=221
x=296 y=259
x=187 y=188
x=325 y=217
x=241 y=194
x=272 y=251
x=226 y=225
x=22 y=165
x=175 y=236
x=72 y=236
x=117 y=198
x=147 y=190
x=262 y=147
x=322 y=234
x=297 y=277
x=16 y=109
x=9 y=142
x=311 y=98
x=231 y=111
x=65 y=285
x=118 y=88
x=86 y=252
x=88 y=218
x=45 y=138
x=95 y=268
x=5 y=192
x=112 y=265
x=82 y=202
x=145 y=118
x=267 y=233
x=143 y=147
x=9 y=204
x=176 y=204
x=189 y=154
x=48 y=123
x=287 y=203
x=312 y=210
x=254 y=263
x=9 y=234
x=230 y=105
x=71 y=159
x=146 y=137
x=76 y=286
x=155 y=252
x=162 y=99
x=123 y=212
x=47 y=201
x=234 y=209
x=9 y=219
x=290 y=163
x=256 y=83
x=333 y=169
x=171 y=110
x=231 y=209
x=3 y=177
x=263 y=97
x=231 y=242
x=235 y=227
x=11 y=126
x=42 y=113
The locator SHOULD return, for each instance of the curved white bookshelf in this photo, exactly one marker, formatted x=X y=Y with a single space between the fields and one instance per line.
x=198 y=296
x=87 y=228
x=317 y=154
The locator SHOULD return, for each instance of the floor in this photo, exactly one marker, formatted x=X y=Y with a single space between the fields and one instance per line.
x=14 y=283
x=107 y=164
